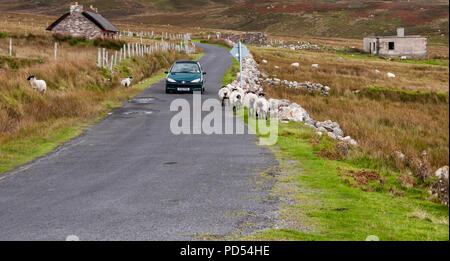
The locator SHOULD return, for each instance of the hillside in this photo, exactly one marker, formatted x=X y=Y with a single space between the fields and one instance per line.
x=328 y=18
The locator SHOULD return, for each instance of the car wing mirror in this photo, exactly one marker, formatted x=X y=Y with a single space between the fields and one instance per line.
x=204 y=73
x=166 y=72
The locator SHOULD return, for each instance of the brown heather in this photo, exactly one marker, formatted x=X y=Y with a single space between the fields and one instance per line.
x=380 y=124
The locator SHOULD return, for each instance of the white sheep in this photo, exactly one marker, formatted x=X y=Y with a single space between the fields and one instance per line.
x=249 y=100
x=127 y=81
x=224 y=94
x=390 y=75
x=262 y=107
x=38 y=85
x=236 y=99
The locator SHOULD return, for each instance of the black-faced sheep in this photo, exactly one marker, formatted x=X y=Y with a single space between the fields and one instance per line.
x=262 y=107
x=127 y=81
x=224 y=94
x=249 y=100
x=236 y=98
x=38 y=85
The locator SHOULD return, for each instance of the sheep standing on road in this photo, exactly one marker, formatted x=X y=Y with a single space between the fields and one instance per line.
x=38 y=85
x=127 y=81
x=249 y=100
x=236 y=99
x=262 y=107
x=224 y=94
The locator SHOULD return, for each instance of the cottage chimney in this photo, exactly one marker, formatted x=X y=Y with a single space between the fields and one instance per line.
x=400 y=32
x=76 y=8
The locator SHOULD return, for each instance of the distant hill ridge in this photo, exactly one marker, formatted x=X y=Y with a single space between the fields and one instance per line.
x=329 y=18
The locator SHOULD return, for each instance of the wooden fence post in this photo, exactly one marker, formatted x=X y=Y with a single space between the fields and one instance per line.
x=103 y=57
x=99 y=57
x=56 y=50
x=10 y=46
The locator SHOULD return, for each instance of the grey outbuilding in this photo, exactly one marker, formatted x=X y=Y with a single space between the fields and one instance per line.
x=400 y=45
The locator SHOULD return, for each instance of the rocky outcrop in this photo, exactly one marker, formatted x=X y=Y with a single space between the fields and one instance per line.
x=440 y=188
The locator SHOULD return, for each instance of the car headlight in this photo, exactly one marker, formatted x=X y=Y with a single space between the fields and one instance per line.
x=197 y=80
x=171 y=80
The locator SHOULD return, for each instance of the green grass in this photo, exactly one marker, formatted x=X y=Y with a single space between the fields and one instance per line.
x=230 y=74
x=321 y=191
x=4 y=35
x=438 y=62
x=21 y=151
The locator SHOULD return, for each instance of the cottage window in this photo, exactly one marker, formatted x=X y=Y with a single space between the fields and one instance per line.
x=391 y=45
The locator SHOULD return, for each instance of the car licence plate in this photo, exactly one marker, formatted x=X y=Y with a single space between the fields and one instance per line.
x=183 y=89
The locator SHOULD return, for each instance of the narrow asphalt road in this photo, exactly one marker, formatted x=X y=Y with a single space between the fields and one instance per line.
x=129 y=178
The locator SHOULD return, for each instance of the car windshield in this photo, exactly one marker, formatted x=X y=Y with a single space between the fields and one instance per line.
x=185 y=68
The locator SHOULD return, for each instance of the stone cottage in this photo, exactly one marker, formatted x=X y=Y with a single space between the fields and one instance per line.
x=397 y=46
x=87 y=23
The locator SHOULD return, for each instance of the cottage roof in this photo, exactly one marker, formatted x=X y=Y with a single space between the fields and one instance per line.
x=100 y=21
x=96 y=18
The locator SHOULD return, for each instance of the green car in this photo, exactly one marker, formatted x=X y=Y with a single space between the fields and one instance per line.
x=185 y=76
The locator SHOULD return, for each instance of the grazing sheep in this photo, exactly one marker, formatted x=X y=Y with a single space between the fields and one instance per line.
x=38 y=85
x=262 y=107
x=249 y=100
x=390 y=75
x=315 y=65
x=236 y=99
x=224 y=94
x=127 y=81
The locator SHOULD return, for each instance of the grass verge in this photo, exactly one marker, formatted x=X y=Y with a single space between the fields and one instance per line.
x=324 y=202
